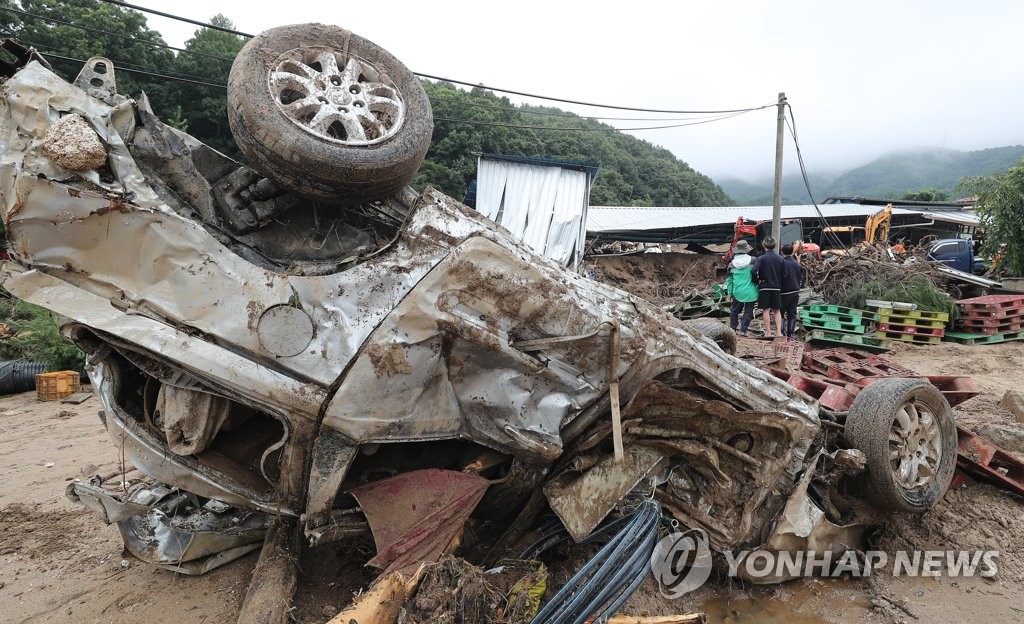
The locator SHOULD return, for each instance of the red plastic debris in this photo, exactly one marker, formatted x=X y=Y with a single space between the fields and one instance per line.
x=985 y=461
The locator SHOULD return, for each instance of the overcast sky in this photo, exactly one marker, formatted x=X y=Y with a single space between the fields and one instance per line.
x=863 y=77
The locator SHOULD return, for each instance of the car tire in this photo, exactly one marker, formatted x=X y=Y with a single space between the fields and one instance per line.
x=719 y=332
x=906 y=430
x=328 y=114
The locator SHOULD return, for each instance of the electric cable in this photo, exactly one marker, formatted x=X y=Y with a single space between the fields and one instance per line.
x=574 y=129
x=522 y=110
x=122 y=65
x=179 y=18
x=826 y=228
x=100 y=31
x=460 y=82
x=143 y=72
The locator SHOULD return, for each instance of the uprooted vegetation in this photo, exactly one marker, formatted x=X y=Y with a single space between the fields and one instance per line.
x=869 y=273
x=32 y=335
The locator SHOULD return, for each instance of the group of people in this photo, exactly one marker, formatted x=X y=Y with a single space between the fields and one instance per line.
x=772 y=281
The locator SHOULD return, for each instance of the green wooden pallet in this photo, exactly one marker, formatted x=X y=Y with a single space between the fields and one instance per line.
x=981 y=339
x=835 y=309
x=866 y=343
x=835 y=325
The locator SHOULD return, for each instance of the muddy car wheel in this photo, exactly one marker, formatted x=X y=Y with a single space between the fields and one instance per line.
x=328 y=114
x=719 y=332
x=905 y=428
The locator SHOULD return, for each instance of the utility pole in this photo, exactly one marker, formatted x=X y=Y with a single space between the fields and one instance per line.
x=777 y=197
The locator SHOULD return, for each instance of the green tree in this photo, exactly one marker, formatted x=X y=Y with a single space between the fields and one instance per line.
x=121 y=35
x=927 y=194
x=1001 y=207
x=632 y=172
x=203 y=108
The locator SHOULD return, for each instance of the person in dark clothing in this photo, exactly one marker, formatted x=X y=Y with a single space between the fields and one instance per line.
x=767 y=271
x=792 y=281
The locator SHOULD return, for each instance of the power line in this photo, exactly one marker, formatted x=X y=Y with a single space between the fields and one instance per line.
x=122 y=65
x=156 y=44
x=143 y=72
x=460 y=82
x=580 y=103
x=524 y=111
x=179 y=18
x=827 y=229
x=576 y=129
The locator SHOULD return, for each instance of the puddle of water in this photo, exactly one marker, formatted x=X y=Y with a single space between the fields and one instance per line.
x=759 y=611
x=799 y=603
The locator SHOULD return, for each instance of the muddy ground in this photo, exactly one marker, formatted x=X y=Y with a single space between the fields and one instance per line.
x=662 y=278
x=58 y=563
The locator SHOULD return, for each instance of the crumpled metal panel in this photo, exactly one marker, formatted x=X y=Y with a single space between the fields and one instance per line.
x=162 y=526
x=99 y=500
x=582 y=501
x=803 y=527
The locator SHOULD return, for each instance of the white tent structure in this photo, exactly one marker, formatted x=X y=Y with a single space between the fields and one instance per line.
x=542 y=202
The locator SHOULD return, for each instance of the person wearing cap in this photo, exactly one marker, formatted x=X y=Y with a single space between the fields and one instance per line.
x=767 y=271
x=740 y=286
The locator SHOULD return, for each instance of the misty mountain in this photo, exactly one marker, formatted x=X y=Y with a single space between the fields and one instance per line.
x=889 y=176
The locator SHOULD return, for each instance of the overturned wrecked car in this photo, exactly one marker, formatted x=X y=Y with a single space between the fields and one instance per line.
x=307 y=348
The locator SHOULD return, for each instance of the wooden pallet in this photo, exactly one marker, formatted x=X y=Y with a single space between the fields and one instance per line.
x=912 y=329
x=907 y=315
x=867 y=343
x=914 y=338
x=834 y=325
x=910 y=322
x=840 y=310
x=982 y=339
x=992 y=302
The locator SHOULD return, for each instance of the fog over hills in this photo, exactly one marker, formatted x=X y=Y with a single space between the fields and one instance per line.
x=888 y=176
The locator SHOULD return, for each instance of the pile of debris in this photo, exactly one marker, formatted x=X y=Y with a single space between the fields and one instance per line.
x=876 y=273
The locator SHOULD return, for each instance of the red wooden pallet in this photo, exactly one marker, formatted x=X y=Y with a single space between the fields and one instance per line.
x=992 y=302
x=911 y=329
x=990 y=331
x=992 y=313
x=991 y=322
x=852 y=366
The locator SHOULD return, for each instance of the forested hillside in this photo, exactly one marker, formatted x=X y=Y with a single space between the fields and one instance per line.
x=633 y=172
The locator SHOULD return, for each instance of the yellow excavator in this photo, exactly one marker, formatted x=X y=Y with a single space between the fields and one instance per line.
x=876 y=229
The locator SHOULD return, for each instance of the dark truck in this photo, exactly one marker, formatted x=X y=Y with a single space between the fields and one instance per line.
x=957 y=253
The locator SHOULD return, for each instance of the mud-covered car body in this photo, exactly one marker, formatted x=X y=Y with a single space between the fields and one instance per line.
x=273 y=367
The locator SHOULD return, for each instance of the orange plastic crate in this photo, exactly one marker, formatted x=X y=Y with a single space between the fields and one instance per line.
x=58 y=385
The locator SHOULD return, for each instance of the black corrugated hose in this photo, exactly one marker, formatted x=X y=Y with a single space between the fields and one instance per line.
x=611 y=576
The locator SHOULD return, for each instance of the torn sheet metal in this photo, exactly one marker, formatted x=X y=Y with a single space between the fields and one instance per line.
x=803 y=527
x=174 y=529
x=583 y=501
x=109 y=508
x=416 y=515
x=725 y=463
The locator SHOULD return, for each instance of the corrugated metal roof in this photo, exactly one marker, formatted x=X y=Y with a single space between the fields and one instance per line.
x=625 y=218
x=963 y=218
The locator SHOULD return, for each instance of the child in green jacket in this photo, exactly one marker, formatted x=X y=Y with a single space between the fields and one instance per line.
x=741 y=287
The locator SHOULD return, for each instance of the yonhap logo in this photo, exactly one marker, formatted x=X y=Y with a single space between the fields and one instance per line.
x=681 y=562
